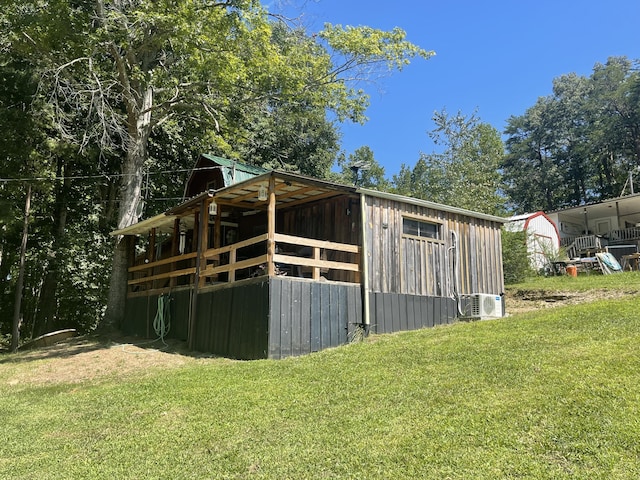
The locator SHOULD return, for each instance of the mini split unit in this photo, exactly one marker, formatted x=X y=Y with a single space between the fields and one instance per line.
x=483 y=305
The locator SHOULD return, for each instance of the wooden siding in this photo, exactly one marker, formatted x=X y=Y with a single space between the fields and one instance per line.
x=411 y=265
x=394 y=312
x=307 y=316
x=334 y=219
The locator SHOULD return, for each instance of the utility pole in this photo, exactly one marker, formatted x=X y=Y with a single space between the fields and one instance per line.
x=15 y=335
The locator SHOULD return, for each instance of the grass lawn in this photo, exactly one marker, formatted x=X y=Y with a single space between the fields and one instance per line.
x=553 y=394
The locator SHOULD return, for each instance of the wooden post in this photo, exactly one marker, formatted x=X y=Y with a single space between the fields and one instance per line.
x=175 y=250
x=203 y=243
x=271 y=227
x=201 y=223
x=151 y=256
x=217 y=229
x=316 y=270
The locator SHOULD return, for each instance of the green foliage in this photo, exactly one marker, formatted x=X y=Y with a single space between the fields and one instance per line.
x=550 y=394
x=466 y=173
x=516 y=263
x=362 y=169
x=109 y=90
x=578 y=144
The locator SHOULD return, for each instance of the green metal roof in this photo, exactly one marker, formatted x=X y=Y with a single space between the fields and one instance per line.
x=233 y=171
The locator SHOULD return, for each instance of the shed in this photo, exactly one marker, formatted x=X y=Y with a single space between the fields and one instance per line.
x=543 y=239
x=310 y=265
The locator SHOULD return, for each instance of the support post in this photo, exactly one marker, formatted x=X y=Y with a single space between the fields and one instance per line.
x=194 y=299
x=271 y=227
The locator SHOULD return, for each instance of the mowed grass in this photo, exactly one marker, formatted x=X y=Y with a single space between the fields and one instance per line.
x=551 y=395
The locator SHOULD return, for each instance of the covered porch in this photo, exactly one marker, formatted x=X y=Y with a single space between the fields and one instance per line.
x=252 y=243
x=613 y=224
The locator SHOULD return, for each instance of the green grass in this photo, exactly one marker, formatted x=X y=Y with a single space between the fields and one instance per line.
x=543 y=395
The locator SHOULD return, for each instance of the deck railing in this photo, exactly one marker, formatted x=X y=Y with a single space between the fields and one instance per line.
x=294 y=256
x=625 y=234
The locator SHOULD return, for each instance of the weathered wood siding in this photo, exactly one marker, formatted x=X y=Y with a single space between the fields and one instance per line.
x=396 y=312
x=307 y=316
x=334 y=219
x=480 y=245
x=413 y=265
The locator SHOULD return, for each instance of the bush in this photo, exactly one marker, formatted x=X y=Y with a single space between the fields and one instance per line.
x=515 y=257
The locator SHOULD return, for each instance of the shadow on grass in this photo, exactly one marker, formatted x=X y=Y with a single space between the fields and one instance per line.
x=95 y=342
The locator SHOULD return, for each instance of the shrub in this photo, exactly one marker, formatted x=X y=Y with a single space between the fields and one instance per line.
x=515 y=257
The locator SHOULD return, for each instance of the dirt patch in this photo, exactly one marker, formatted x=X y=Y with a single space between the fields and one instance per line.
x=94 y=357
x=520 y=301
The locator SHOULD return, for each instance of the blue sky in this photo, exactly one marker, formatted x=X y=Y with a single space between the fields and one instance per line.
x=494 y=56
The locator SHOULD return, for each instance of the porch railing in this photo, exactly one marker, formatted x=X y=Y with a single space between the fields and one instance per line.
x=295 y=256
x=624 y=235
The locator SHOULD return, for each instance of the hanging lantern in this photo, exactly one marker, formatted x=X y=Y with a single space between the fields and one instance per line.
x=213 y=208
x=262 y=192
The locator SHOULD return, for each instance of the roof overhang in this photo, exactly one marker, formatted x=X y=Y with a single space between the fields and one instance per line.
x=290 y=190
x=621 y=207
x=163 y=223
x=432 y=205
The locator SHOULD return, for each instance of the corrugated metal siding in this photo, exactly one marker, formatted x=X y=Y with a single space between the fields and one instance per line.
x=394 y=312
x=310 y=316
x=415 y=266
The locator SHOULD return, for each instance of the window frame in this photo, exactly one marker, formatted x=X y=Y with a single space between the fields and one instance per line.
x=437 y=225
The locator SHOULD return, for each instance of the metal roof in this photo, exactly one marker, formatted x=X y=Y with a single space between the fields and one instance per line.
x=432 y=205
x=291 y=190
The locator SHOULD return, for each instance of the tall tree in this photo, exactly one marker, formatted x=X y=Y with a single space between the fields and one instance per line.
x=578 y=144
x=466 y=173
x=117 y=69
x=362 y=169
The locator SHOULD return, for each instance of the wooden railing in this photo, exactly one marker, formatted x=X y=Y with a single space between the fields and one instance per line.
x=315 y=261
x=625 y=234
x=232 y=265
x=223 y=264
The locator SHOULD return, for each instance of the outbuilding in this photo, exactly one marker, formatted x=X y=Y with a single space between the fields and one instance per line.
x=542 y=237
x=281 y=264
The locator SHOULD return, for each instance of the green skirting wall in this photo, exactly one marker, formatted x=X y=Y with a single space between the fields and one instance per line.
x=257 y=318
x=394 y=312
x=281 y=317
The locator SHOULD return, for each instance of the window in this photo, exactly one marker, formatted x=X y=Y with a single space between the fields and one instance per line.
x=419 y=228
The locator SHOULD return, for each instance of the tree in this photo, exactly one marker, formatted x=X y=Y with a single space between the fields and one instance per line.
x=534 y=179
x=466 y=173
x=578 y=144
x=115 y=71
x=361 y=168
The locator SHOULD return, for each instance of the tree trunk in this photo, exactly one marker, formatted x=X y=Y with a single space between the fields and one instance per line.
x=130 y=198
x=47 y=310
x=15 y=333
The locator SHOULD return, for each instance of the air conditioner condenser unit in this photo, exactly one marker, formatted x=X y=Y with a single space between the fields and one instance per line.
x=485 y=305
